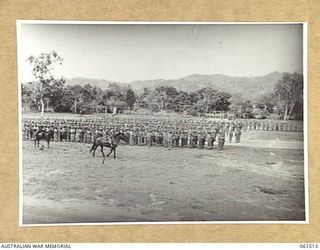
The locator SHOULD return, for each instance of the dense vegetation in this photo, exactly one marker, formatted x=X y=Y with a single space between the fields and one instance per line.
x=51 y=94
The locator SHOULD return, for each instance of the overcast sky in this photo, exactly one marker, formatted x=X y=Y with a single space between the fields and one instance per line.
x=139 y=52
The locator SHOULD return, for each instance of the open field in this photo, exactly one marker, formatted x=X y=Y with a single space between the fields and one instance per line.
x=260 y=179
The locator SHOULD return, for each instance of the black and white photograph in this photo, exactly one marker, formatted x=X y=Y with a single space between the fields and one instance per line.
x=162 y=122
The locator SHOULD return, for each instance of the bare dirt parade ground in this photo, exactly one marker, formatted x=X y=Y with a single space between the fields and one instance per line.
x=260 y=179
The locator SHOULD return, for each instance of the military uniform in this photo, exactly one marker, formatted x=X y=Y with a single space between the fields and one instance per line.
x=209 y=140
x=140 y=138
x=237 y=134
x=194 y=139
x=39 y=130
x=221 y=138
x=176 y=139
x=201 y=140
x=231 y=134
x=183 y=139
x=56 y=134
x=170 y=139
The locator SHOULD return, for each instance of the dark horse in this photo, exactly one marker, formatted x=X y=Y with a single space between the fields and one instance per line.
x=43 y=135
x=102 y=142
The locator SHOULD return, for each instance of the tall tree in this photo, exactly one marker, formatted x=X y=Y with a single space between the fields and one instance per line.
x=55 y=92
x=289 y=92
x=266 y=101
x=164 y=96
x=208 y=96
x=131 y=98
x=42 y=67
x=76 y=92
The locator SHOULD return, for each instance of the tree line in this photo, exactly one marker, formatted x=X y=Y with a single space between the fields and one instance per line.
x=50 y=93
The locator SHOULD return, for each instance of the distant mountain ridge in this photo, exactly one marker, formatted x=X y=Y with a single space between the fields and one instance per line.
x=247 y=87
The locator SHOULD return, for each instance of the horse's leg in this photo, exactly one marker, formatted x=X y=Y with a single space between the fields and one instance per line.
x=94 y=150
x=114 y=152
x=93 y=145
x=35 y=143
x=48 y=142
x=110 y=152
x=101 y=146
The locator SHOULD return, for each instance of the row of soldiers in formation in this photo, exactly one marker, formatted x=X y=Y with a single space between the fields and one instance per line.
x=154 y=132
x=246 y=124
x=150 y=132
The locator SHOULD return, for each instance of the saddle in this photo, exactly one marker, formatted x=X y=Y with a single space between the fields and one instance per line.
x=39 y=134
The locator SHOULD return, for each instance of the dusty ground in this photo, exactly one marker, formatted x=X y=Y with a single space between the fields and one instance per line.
x=261 y=179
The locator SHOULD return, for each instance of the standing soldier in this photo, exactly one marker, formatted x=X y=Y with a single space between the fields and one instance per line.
x=280 y=126
x=267 y=125
x=189 y=138
x=131 y=140
x=78 y=131
x=29 y=131
x=214 y=134
x=165 y=138
x=85 y=134
x=68 y=133
x=135 y=136
x=62 y=131
x=51 y=131
x=201 y=139
x=290 y=128
x=237 y=134
x=92 y=134
x=170 y=138
x=258 y=125
x=254 y=125
x=183 y=139
x=176 y=139
x=56 y=134
x=160 y=137
x=296 y=127
x=33 y=130
x=24 y=131
x=194 y=139
x=231 y=130
x=81 y=133
x=300 y=127
x=285 y=126
x=209 y=140
x=59 y=130
x=149 y=137
x=228 y=127
x=156 y=138
x=144 y=137
x=221 y=138
x=72 y=134
x=140 y=137
x=274 y=126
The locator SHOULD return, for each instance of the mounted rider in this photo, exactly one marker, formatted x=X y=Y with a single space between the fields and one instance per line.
x=109 y=137
x=39 y=130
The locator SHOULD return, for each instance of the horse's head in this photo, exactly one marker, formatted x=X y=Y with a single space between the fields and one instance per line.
x=120 y=136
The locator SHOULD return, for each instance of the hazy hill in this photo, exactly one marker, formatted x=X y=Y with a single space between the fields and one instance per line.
x=248 y=87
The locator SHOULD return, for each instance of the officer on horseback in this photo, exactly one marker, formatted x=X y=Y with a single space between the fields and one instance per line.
x=39 y=130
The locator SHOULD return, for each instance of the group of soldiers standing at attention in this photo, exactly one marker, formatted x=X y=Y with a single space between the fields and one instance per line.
x=183 y=133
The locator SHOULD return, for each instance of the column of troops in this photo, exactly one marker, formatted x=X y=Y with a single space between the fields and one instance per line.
x=184 y=133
